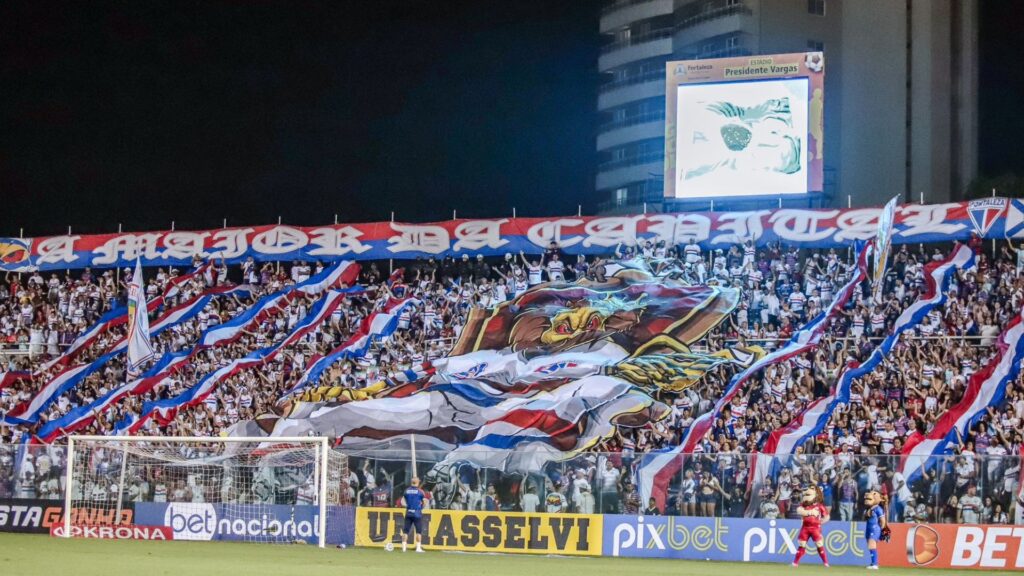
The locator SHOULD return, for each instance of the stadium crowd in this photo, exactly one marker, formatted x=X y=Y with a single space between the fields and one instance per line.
x=41 y=314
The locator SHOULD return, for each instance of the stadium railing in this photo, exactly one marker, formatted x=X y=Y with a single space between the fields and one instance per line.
x=37 y=472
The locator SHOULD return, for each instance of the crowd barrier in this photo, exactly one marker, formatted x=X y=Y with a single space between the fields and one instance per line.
x=928 y=531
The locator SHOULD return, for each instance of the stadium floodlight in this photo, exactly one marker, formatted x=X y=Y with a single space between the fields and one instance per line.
x=272 y=490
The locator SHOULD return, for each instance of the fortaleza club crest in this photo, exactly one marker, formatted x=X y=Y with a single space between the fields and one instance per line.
x=985 y=212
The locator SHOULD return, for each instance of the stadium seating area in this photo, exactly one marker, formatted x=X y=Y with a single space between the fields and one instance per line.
x=42 y=315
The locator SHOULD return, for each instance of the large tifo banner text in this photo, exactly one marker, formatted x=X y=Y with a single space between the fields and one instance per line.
x=821 y=228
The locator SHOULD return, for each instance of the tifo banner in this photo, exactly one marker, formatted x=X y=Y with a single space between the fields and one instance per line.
x=731 y=539
x=914 y=223
x=38 y=516
x=955 y=546
x=540 y=378
x=262 y=522
x=528 y=533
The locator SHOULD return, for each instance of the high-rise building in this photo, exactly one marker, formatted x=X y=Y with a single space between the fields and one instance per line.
x=900 y=89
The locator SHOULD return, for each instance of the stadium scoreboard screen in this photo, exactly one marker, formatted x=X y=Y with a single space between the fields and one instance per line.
x=747 y=126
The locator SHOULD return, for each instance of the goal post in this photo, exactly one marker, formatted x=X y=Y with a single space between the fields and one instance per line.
x=273 y=490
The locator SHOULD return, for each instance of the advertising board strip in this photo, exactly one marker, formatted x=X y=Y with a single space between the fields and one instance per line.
x=727 y=539
x=954 y=546
x=247 y=522
x=115 y=532
x=515 y=532
x=38 y=516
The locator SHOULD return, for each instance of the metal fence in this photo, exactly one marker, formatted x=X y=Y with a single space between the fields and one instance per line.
x=965 y=488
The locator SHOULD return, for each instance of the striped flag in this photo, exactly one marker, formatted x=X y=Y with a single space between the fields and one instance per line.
x=139 y=348
x=119 y=316
x=813 y=419
x=166 y=409
x=986 y=388
x=9 y=378
x=375 y=327
x=342 y=273
x=656 y=471
x=28 y=412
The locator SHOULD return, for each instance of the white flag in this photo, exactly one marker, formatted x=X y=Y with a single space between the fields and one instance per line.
x=139 y=348
x=886 y=220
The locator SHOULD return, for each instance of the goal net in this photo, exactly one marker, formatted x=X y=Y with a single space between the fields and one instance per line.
x=280 y=490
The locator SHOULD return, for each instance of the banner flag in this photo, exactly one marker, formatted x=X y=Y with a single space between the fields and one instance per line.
x=883 y=243
x=986 y=388
x=656 y=470
x=139 y=347
x=376 y=326
x=67 y=379
x=342 y=273
x=784 y=441
x=119 y=316
x=538 y=379
x=166 y=409
x=994 y=218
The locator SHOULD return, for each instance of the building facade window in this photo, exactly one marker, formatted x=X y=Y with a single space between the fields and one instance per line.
x=816 y=7
x=732 y=42
x=815 y=45
x=621 y=196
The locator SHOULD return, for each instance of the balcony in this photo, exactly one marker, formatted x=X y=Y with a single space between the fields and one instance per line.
x=649 y=76
x=653 y=196
x=723 y=10
x=645 y=158
x=634 y=93
x=626 y=171
x=632 y=129
x=621 y=13
x=632 y=120
x=722 y=53
x=638 y=47
x=613 y=5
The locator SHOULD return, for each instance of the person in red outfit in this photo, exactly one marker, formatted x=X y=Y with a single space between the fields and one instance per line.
x=813 y=512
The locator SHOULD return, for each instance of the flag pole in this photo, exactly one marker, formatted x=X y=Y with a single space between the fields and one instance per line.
x=117 y=269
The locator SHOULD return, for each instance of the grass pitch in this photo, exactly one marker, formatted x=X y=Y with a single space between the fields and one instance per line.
x=31 y=555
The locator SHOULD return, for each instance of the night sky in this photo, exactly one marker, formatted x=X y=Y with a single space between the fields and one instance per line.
x=147 y=111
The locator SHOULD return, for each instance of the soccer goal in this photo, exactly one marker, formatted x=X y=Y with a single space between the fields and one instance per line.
x=272 y=490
